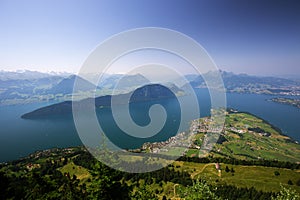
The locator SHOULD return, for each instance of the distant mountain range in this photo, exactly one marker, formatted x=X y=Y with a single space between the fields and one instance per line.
x=243 y=83
x=27 y=86
x=29 y=75
x=65 y=86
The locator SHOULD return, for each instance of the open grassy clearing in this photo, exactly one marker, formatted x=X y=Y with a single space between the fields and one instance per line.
x=80 y=172
x=259 y=177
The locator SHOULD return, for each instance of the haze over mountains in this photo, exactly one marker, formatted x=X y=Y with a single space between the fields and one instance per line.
x=36 y=86
x=65 y=86
x=243 y=83
x=27 y=86
x=29 y=75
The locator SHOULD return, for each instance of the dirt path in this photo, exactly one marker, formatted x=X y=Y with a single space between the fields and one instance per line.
x=203 y=168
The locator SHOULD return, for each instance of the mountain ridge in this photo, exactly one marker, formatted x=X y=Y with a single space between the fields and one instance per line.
x=244 y=83
x=53 y=87
x=145 y=93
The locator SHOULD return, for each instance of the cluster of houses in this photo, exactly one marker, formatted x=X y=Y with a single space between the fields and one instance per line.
x=178 y=140
x=47 y=153
x=235 y=130
x=50 y=152
x=31 y=166
x=204 y=125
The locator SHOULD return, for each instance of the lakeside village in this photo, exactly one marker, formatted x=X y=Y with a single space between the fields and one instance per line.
x=287 y=101
x=203 y=126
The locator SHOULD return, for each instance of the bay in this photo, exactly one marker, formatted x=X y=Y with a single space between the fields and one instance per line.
x=20 y=137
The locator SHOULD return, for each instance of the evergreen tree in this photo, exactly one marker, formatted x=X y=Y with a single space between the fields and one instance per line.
x=106 y=184
x=143 y=193
x=200 y=190
x=227 y=169
x=286 y=194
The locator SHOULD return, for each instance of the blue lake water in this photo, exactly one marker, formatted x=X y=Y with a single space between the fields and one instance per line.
x=19 y=137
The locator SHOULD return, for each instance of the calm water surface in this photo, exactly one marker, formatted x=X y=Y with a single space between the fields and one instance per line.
x=19 y=137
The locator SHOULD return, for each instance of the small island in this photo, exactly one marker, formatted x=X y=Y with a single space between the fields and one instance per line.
x=287 y=101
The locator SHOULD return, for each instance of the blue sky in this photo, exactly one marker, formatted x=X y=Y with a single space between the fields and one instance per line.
x=255 y=37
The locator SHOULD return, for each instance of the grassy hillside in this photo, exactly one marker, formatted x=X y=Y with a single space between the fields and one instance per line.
x=74 y=171
x=259 y=177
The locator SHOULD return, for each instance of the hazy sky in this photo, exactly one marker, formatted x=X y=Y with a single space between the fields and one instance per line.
x=255 y=37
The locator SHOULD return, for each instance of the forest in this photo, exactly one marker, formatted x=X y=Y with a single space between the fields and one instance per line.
x=48 y=179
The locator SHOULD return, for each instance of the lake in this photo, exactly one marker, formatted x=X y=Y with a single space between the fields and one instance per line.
x=20 y=137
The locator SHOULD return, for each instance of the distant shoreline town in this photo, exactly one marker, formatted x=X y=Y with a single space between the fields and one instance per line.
x=287 y=101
